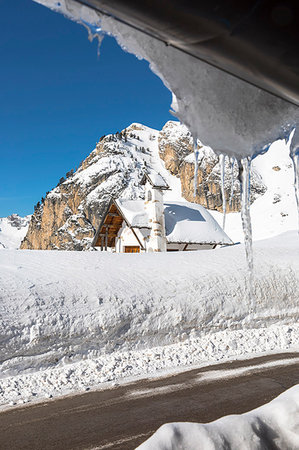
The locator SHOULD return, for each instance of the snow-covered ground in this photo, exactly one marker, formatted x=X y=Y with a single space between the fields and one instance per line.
x=12 y=230
x=272 y=426
x=74 y=320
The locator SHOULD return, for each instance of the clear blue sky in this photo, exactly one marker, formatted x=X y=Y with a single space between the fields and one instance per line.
x=57 y=98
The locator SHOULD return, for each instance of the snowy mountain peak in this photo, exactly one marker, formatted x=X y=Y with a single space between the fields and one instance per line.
x=12 y=230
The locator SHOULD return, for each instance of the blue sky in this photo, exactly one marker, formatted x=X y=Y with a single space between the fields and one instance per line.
x=57 y=98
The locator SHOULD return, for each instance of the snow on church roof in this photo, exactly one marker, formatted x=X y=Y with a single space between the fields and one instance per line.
x=192 y=223
x=155 y=179
x=134 y=212
x=185 y=222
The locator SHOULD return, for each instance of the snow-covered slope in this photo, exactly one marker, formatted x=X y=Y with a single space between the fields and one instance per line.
x=72 y=320
x=271 y=426
x=276 y=210
x=12 y=230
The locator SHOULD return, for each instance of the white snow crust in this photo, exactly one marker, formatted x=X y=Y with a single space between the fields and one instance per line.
x=75 y=320
x=274 y=425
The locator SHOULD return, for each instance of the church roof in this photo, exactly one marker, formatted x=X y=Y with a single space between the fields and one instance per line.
x=155 y=179
x=185 y=222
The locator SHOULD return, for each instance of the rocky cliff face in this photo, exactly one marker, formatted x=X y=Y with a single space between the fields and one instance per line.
x=176 y=150
x=70 y=214
x=72 y=211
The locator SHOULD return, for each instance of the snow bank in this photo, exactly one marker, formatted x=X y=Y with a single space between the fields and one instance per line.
x=274 y=425
x=73 y=320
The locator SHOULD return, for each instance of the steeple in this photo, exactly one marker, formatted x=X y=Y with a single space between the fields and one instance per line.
x=154 y=187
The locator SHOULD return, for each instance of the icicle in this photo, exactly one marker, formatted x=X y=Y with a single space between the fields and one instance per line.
x=94 y=32
x=295 y=160
x=222 y=174
x=196 y=153
x=294 y=154
x=100 y=38
x=232 y=166
x=244 y=178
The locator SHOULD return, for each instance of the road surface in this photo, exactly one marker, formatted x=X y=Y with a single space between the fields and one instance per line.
x=124 y=416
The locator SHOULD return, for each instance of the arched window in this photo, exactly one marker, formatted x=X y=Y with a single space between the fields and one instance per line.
x=149 y=196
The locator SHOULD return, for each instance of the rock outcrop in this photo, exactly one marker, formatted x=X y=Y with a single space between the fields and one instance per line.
x=71 y=212
x=69 y=215
x=176 y=148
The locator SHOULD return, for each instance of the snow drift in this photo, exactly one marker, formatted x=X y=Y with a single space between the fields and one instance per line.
x=71 y=320
x=272 y=426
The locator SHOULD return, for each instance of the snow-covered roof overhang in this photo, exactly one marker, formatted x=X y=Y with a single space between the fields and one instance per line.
x=210 y=95
x=247 y=39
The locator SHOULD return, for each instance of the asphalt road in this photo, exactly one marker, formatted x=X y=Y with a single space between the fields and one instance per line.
x=124 y=416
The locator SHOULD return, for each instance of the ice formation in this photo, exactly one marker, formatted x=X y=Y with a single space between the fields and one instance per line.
x=244 y=178
x=232 y=166
x=222 y=171
x=294 y=154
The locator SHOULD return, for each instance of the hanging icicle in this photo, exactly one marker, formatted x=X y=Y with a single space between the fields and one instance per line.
x=94 y=32
x=244 y=178
x=294 y=154
x=222 y=174
x=232 y=166
x=295 y=159
x=196 y=154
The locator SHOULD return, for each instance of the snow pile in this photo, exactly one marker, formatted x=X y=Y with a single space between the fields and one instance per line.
x=73 y=320
x=274 y=425
x=12 y=230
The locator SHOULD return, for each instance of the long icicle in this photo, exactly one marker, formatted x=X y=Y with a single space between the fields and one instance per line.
x=196 y=153
x=222 y=173
x=232 y=166
x=294 y=154
x=295 y=160
x=244 y=178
